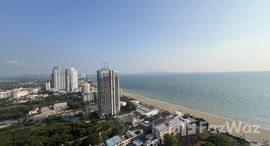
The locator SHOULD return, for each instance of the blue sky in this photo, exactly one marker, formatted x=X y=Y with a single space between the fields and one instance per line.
x=134 y=35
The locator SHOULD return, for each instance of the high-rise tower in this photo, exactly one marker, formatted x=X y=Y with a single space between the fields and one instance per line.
x=71 y=79
x=108 y=92
x=58 y=79
x=64 y=79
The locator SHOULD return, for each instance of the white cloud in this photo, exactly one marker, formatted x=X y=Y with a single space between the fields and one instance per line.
x=15 y=62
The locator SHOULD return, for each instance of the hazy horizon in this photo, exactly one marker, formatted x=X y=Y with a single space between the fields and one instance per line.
x=134 y=36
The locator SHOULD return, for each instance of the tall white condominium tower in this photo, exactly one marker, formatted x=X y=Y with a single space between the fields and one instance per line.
x=58 y=79
x=108 y=92
x=71 y=79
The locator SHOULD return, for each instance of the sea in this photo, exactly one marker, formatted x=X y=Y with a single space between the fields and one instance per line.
x=243 y=96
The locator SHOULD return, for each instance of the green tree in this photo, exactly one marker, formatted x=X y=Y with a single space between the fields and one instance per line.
x=208 y=144
x=170 y=140
x=219 y=140
x=129 y=107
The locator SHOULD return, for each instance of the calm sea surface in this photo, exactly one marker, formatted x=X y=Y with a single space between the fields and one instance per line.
x=241 y=96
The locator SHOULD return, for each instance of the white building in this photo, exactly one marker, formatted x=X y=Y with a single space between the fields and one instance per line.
x=121 y=92
x=60 y=106
x=135 y=102
x=17 y=93
x=145 y=111
x=47 y=86
x=5 y=94
x=89 y=96
x=86 y=88
x=65 y=79
x=172 y=126
x=20 y=92
x=58 y=79
x=108 y=92
x=114 y=141
x=71 y=79
x=122 y=103
x=45 y=109
x=33 y=111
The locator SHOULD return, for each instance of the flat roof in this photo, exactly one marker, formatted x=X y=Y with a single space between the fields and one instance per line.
x=114 y=141
x=110 y=142
x=149 y=136
x=138 y=142
x=144 y=109
x=166 y=124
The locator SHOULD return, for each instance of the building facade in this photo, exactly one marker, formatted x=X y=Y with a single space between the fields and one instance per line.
x=71 y=79
x=47 y=86
x=172 y=126
x=108 y=92
x=60 y=106
x=86 y=88
x=59 y=79
x=64 y=79
x=5 y=94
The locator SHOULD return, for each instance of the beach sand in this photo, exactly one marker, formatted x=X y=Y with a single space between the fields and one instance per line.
x=211 y=118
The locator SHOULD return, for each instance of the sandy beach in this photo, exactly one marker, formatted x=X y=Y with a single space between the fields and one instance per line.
x=263 y=135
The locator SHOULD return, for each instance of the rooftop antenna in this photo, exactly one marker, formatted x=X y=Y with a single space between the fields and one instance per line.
x=108 y=64
x=103 y=65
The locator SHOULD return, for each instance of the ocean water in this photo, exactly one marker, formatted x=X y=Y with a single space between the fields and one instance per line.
x=241 y=96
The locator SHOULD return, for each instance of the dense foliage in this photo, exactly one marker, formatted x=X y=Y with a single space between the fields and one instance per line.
x=13 y=112
x=204 y=139
x=224 y=140
x=171 y=140
x=129 y=107
x=57 y=133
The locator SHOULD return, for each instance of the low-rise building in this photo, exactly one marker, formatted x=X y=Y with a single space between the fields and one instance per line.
x=145 y=125
x=122 y=103
x=45 y=109
x=145 y=111
x=137 y=142
x=33 y=96
x=172 y=126
x=89 y=96
x=5 y=94
x=17 y=93
x=34 y=90
x=86 y=88
x=135 y=121
x=47 y=86
x=153 y=142
x=126 y=139
x=135 y=102
x=33 y=111
x=114 y=141
x=188 y=129
x=60 y=106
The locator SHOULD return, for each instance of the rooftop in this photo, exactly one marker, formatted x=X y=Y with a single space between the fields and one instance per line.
x=167 y=124
x=114 y=141
x=144 y=109
x=138 y=142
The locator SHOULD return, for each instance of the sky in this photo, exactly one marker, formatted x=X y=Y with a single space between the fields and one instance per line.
x=134 y=35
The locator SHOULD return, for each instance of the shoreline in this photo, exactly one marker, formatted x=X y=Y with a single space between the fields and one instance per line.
x=211 y=118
